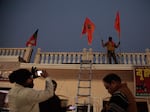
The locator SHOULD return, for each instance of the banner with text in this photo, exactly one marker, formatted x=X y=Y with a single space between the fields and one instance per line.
x=142 y=81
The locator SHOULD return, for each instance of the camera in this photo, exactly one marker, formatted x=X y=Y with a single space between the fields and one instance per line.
x=39 y=72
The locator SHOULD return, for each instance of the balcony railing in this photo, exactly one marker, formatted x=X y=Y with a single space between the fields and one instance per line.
x=75 y=57
x=24 y=54
x=88 y=54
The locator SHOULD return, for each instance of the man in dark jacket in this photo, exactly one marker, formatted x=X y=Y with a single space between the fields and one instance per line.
x=53 y=104
x=122 y=100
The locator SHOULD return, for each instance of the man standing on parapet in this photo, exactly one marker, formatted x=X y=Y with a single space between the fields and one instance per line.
x=111 y=49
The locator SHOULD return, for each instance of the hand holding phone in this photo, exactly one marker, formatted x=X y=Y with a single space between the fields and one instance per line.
x=42 y=73
x=39 y=72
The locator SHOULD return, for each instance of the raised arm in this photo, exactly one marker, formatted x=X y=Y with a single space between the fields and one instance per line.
x=102 y=42
x=41 y=95
x=116 y=46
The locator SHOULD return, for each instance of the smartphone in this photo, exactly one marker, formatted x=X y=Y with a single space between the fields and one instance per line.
x=72 y=107
x=39 y=72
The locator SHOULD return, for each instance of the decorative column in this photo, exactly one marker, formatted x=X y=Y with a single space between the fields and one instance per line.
x=84 y=54
x=147 y=56
x=28 y=54
x=37 y=56
x=90 y=57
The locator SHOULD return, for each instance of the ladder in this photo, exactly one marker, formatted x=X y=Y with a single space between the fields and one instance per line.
x=83 y=98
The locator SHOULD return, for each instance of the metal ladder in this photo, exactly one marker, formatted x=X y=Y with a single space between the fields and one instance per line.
x=83 y=98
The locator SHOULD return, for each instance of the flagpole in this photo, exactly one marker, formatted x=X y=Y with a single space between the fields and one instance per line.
x=117 y=28
x=119 y=49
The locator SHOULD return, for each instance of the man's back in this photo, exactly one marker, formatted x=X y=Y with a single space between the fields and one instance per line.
x=53 y=104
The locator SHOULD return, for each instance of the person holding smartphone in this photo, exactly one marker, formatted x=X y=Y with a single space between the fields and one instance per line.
x=22 y=97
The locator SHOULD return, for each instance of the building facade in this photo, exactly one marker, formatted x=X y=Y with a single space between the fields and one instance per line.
x=64 y=67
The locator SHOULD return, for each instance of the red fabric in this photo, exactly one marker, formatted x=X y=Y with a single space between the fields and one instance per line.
x=32 y=39
x=88 y=29
x=117 y=23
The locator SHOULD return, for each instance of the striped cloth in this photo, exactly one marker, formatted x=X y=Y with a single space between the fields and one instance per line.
x=118 y=103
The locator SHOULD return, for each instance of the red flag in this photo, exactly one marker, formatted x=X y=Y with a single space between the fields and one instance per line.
x=117 y=23
x=88 y=29
x=32 y=40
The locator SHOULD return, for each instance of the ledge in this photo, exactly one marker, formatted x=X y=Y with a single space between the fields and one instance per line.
x=11 y=59
x=77 y=66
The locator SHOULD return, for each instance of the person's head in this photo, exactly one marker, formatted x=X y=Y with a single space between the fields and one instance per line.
x=23 y=77
x=112 y=82
x=110 y=38
x=54 y=84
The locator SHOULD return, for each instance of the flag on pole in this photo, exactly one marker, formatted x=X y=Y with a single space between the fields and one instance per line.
x=88 y=29
x=117 y=23
x=32 y=39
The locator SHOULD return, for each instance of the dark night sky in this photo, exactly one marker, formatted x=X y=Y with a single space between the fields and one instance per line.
x=60 y=23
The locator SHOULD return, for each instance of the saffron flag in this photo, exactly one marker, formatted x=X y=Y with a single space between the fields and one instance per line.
x=88 y=29
x=32 y=39
x=117 y=23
